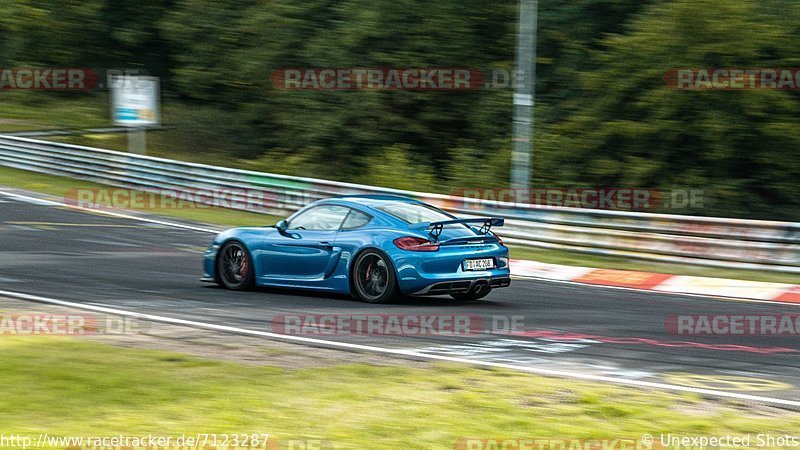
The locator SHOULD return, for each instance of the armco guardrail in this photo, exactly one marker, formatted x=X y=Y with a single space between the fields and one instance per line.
x=736 y=243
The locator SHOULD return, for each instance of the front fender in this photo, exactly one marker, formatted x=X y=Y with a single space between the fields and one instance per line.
x=248 y=236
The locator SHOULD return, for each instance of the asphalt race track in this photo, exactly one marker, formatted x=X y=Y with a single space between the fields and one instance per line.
x=94 y=259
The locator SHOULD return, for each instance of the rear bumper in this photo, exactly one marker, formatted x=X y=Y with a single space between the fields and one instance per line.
x=463 y=286
x=441 y=272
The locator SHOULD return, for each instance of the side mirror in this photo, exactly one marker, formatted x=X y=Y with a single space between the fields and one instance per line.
x=281 y=226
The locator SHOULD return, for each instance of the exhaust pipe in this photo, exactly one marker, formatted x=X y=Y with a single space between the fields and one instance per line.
x=479 y=286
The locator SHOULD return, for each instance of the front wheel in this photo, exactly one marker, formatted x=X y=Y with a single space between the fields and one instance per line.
x=235 y=267
x=374 y=280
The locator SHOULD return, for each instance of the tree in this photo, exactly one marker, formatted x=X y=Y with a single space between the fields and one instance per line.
x=626 y=128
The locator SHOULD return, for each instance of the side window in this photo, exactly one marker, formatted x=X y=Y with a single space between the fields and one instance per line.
x=324 y=217
x=355 y=219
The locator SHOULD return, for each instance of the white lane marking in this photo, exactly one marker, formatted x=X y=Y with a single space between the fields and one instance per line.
x=403 y=352
x=24 y=199
x=38 y=201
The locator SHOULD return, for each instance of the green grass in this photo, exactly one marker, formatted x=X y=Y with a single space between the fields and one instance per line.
x=59 y=186
x=68 y=387
x=188 y=137
x=25 y=110
x=178 y=143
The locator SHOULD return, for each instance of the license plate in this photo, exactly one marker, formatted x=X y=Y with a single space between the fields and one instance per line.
x=478 y=264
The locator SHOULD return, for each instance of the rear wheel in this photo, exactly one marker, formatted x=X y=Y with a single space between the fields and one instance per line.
x=374 y=280
x=235 y=267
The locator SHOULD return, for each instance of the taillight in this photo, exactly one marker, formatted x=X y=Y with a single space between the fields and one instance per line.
x=415 y=244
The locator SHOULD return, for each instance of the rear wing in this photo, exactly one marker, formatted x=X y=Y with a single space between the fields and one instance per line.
x=436 y=227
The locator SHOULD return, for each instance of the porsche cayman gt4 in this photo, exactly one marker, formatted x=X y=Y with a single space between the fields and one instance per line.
x=374 y=247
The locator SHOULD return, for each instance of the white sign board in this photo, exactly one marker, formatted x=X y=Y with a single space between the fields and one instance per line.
x=135 y=101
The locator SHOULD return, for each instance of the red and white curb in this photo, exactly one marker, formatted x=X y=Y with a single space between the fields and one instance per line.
x=649 y=281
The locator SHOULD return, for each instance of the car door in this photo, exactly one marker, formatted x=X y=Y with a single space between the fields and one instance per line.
x=304 y=251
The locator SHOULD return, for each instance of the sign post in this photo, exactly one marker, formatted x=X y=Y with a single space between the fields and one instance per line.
x=135 y=103
x=522 y=150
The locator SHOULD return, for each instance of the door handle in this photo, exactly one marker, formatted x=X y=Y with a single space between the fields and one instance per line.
x=325 y=243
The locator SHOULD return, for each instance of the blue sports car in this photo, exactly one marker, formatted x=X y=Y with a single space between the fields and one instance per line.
x=374 y=247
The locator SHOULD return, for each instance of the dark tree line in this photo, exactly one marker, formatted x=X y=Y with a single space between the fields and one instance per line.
x=604 y=116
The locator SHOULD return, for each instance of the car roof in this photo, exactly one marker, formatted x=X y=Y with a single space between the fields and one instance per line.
x=374 y=200
x=371 y=204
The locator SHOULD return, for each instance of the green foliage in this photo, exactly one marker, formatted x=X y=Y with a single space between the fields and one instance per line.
x=628 y=129
x=396 y=167
x=604 y=117
x=475 y=168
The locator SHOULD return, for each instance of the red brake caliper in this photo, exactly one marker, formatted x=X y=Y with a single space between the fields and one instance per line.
x=243 y=266
x=369 y=272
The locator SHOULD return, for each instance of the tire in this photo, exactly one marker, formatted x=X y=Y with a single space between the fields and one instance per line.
x=373 y=278
x=235 y=267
